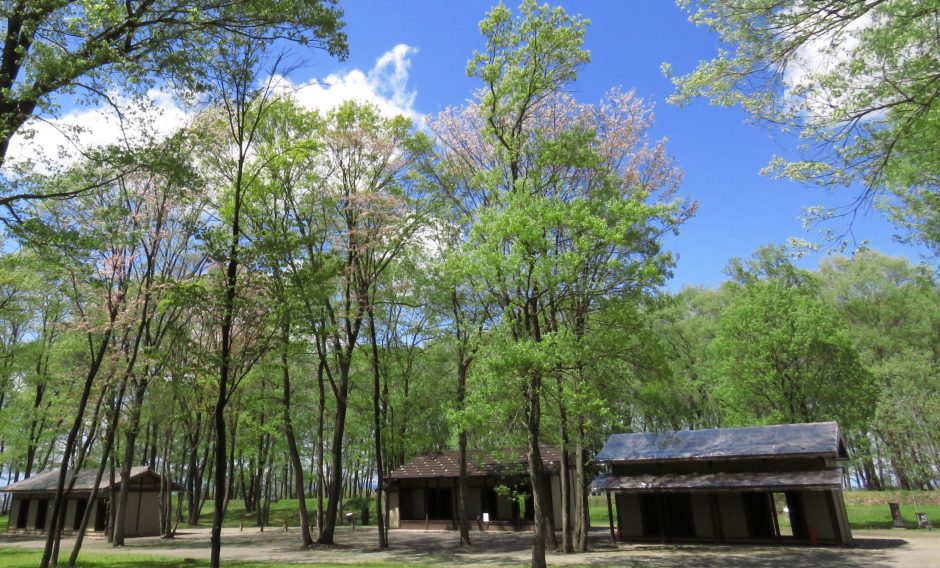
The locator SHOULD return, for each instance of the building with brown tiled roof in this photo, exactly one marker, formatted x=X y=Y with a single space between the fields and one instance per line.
x=422 y=494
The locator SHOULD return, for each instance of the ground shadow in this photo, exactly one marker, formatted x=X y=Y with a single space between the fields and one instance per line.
x=500 y=549
x=878 y=543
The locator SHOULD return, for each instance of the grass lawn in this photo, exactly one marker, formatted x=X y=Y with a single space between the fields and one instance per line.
x=869 y=509
x=16 y=558
x=282 y=510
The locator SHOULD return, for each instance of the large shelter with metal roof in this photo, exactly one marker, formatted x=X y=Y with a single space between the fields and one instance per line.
x=727 y=484
x=31 y=506
x=422 y=494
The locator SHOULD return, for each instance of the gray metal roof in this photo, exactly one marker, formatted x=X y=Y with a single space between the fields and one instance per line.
x=820 y=439
x=46 y=481
x=721 y=481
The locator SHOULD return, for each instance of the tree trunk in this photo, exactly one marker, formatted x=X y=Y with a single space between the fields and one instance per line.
x=538 y=494
x=230 y=485
x=463 y=366
x=292 y=445
x=114 y=414
x=335 y=490
x=58 y=506
x=377 y=427
x=130 y=440
x=581 y=494
x=533 y=415
x=462 y=519
x=565 y=473
x=321 y=474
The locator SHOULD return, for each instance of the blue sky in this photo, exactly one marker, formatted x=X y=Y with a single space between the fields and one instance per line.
x=719 y=151
x=411 y=55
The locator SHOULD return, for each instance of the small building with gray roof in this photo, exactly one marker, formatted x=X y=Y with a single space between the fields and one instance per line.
x=727 y=485
x=31 y=507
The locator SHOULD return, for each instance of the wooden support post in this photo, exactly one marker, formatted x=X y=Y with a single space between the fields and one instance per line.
x=718 y=526
x=661 y=509
x=610 y=518
x=834 y=517
x=716 y=520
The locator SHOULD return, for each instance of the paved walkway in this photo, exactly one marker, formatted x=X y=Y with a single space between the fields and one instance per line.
x=875 y=549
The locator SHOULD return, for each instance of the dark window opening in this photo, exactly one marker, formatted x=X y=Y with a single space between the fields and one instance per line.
x=649 y=512
x=80 y=506
x=22 y=516
x=529 y=514
x=41 y=508
x=678 y=508
x=405 y=508
x=759 y=512
x=101 y=516
x=490 y=500
x=440 y=504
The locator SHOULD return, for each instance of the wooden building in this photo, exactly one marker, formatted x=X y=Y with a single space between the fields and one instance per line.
x=31 y=507
x=422 y=494
x=726 y=485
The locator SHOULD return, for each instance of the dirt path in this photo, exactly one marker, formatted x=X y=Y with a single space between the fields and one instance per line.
x=876 y=549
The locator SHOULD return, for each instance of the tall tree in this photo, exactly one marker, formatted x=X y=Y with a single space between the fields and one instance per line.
x=230 y=145
x=892 y=309
x=566 y=207
x=95 y=265
x=526 y=59
x=784 y=355
x=54 y=47
x=857 y=79
x=164 y=210
x=288 y=141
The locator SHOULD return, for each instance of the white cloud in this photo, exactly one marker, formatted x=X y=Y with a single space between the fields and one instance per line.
x=385 y=86
x=58 y=142
x=818 y=58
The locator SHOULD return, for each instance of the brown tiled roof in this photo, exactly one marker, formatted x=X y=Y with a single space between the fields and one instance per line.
x=479 y=464
x=46 y=481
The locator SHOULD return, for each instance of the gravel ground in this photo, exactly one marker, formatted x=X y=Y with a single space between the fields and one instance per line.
x=874 y=549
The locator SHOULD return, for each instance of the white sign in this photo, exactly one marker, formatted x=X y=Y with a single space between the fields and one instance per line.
x=486 y=517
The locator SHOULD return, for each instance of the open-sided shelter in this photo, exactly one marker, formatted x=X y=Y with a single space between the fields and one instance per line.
x=723 y=485
x=422 y=494
x=31 y=506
